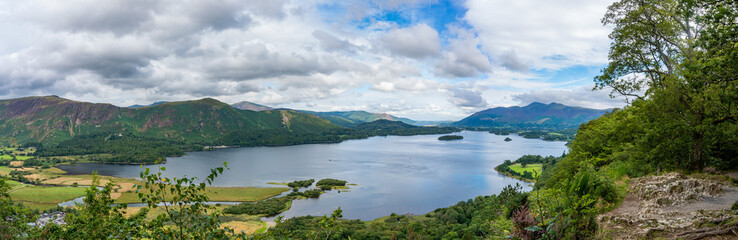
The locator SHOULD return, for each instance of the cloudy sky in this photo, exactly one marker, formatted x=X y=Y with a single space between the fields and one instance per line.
x=423 y=59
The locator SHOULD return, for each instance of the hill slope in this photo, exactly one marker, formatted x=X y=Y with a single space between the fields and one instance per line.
x=52 y=119
x=535 y=115
x=354 y=118
x=341 y=118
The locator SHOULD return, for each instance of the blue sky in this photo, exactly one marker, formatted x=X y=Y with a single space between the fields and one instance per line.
x=423 y=59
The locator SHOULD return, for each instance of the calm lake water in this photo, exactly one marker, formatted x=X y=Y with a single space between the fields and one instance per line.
x=413 y=174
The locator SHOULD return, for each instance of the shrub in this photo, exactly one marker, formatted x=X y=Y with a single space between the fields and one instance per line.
x=525 y=226
x=301 y=183
x=331 y=182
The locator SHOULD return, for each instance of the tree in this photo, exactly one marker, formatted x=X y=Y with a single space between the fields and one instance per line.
x=678 y=57
x=14 y=217
x=184 y=202
x=98 y=218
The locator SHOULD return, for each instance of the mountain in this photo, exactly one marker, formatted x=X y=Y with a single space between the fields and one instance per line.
x=535 y=115
x=384 y=127
x=251 y=106
x=341 y=118
x=150 y=105
x=52 y=119
x=354 y=118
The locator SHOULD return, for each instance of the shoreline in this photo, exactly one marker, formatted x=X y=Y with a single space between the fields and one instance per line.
x=513 y=176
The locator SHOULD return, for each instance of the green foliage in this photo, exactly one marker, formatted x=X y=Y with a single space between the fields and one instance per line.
x=525 y=171
x=301 y=183
x=98 y=218
x=14 y=217
x=386 y=127
x=331 y=182
x=276 y=137
x=184 y=202
x=125 y=148
x=677 y=58
x=282 y=137
x=269 y=207
x=450 y=137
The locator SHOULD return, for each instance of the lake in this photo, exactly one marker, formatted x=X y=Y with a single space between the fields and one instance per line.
x=394 y=174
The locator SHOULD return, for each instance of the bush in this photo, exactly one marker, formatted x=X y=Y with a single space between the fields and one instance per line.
x=270 y=207
x=312 y=193
x=301 y=183
x=525 y=226
x=450 y=137
x=331 y=182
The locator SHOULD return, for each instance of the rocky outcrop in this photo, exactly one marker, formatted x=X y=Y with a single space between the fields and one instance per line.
x=672 y=206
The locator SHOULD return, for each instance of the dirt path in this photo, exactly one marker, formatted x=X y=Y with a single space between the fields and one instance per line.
x=19 y=187
x=665 y=206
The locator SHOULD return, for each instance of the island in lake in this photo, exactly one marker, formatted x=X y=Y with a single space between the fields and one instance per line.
x=450 y=137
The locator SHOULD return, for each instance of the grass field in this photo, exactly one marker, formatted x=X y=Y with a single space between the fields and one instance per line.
x=5 y=170
x=53 y=195
x=13 y=184
x=249 y=224
x=222 y=194
x=17 y=154
x=9 y=157
x=534 y=169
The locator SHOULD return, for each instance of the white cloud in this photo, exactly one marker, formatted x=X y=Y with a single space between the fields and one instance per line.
x=418 y=41
x=464 y=58
x=544 y=34
x=468 y=98
x=582 y=97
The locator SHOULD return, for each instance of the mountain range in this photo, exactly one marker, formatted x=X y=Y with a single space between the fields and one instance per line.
x=341 y=118
x=53 y=119
x=534 y=115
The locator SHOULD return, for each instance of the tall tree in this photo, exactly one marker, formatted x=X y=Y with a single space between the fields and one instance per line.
x=672 y=55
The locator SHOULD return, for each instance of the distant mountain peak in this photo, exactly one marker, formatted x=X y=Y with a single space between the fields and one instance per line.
x=533 y=115
x=150 y=105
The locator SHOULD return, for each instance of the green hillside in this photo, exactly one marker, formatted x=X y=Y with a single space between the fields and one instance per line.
x=52 y=120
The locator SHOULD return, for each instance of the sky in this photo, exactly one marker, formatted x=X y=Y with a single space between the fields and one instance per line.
x=422 y=59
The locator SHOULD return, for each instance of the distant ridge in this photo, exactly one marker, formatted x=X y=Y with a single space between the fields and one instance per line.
x=245 y=105
x=354 y=118
x=534 y=115
x=150 y=105
x=341 y=118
